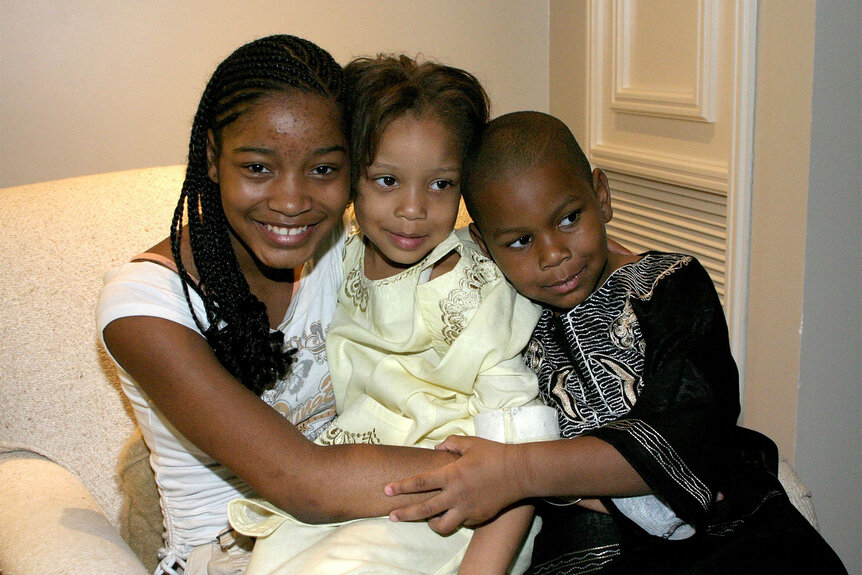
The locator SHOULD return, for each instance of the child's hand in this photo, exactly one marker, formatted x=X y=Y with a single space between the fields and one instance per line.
x=473 y=489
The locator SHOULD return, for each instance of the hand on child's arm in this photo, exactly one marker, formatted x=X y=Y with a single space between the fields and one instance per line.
x=473 y=489
x=490 y=476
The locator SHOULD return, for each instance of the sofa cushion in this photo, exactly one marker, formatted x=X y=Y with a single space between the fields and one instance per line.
x=141 y=522
x=58 y=389
x=62 y=530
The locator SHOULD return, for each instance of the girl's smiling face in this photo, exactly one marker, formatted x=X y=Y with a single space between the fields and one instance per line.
x=283 y=171
x=408 y=198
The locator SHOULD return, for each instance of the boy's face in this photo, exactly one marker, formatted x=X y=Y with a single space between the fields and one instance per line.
x=545 y=229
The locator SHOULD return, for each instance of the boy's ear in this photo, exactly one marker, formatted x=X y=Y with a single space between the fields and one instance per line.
x=477 y=237
x=603 y=194
x=212 y=157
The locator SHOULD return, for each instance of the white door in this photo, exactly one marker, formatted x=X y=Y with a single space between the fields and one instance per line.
x=666 y=111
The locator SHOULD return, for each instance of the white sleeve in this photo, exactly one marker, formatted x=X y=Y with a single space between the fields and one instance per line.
x=519 y=424
x=654 y=516
x=146 y=289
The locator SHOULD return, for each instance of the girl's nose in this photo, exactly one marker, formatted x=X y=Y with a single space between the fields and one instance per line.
x=411 y=205
x=290 y=196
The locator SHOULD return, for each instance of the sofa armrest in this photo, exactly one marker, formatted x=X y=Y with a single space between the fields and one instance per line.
x=50 y=524
x=797 y=492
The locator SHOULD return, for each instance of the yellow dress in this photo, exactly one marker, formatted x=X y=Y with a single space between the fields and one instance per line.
x=412 y=361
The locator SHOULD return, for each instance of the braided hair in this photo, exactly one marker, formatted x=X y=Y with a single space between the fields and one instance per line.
x=238 y=331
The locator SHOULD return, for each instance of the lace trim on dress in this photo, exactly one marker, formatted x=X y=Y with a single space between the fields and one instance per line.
x=460 y=304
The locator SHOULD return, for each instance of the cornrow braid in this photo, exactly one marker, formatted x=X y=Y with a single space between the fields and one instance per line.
x=238 y=329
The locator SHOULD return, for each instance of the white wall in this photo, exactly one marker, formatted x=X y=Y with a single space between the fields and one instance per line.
x=89 y=86
x=829 y=415
x=782 y=145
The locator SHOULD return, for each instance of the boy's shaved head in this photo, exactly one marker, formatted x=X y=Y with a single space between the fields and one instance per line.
x=514 y=143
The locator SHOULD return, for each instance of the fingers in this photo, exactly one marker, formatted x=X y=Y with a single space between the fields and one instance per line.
x=444 y=524
x=432 y=479
x=447 y=523
x=453 y=443
x=417 y=484
x=429 y=508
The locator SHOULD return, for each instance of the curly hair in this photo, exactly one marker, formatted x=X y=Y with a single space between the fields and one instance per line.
x=382 y=89
x=238 y=327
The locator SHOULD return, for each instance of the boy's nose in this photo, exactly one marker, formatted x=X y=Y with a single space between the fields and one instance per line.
x=552 y=253
x=290 y=196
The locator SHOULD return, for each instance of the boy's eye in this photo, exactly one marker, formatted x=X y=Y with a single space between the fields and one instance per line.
x=386 y=181
x=521 y=242
x=570 y=219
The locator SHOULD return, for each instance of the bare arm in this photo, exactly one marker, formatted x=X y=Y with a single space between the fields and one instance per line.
x=490 y=476
x=179 y=372
x=494 y=545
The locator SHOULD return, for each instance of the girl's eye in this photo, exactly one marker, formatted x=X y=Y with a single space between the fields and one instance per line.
x=440 y=185
x=386 y=181
x=570 y=219
x=257 y=168
x=323 y=170
x=521 y=242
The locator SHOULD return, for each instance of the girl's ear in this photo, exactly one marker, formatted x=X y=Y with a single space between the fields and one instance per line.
x=603 y=194
x=212 y=157
x=477 y=237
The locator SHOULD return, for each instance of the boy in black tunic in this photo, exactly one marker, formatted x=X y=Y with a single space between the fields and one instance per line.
x=652 y=474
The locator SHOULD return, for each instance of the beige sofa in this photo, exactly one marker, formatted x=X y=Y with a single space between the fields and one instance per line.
x=63 y=421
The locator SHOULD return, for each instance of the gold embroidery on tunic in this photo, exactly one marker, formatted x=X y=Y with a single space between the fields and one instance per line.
x=622 y=331
x=458 y=306
x=355 y=289
x=334 y=435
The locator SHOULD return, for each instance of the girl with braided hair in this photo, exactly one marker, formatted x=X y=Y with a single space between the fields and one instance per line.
x=218 y=332
x=427 y=336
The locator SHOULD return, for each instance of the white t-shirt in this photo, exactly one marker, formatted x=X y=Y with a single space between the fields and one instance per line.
x=195 y=489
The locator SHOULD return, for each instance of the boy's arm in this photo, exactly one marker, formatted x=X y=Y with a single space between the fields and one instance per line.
x=495 y=545
x=673 y=438
x=680 y=431
x=490 y=476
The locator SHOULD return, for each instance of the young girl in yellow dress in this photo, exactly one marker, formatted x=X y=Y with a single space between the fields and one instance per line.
x=427 y=333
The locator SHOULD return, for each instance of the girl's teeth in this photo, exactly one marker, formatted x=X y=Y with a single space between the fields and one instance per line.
x=285 y=231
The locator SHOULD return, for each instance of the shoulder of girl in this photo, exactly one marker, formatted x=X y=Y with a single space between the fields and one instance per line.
x=446 y=264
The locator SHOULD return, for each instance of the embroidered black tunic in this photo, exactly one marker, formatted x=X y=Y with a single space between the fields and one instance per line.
x=644 y=363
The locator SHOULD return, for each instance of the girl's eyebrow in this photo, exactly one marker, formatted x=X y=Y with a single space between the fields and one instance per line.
x=329 y=149
x=447 y=169
x=270 y=151
x=254 y=150
x=441 y=170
